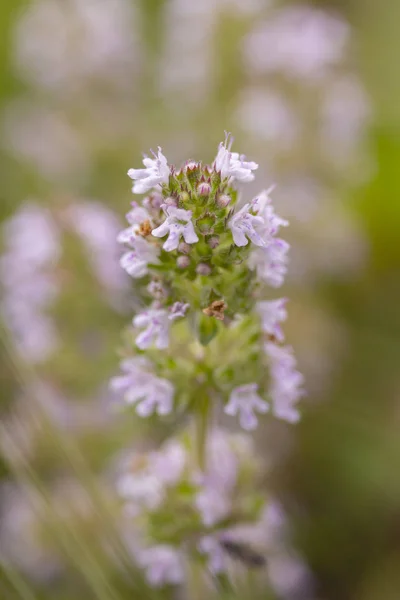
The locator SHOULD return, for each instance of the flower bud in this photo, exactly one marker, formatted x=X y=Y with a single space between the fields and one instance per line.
x=183 y=262
x=184 y=197
x=223 y=200
x=203 y=269
x=170 y=201
x=184 y=248
x=152 y=202
x=213 y=242
x=204 y=188
x=191 y=164
x=157 y=290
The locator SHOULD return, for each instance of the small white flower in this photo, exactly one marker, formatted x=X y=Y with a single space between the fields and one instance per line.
x=286 y=382
x=163 y=565
x=178 y=223
x=244 y=227
x=245 y=401
x=156 y=323
x=272 y=313
x=136 y=261
x=230 y=164
x=135 y=218
x=178 y=310
x=156 y=172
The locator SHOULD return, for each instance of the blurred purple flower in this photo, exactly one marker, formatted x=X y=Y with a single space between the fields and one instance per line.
x=286 y=382
x=141 y=387
x=246 y=401
x=272 y=313
x=156 y=323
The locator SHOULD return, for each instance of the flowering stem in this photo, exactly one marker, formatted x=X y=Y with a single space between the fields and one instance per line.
x=202 y=422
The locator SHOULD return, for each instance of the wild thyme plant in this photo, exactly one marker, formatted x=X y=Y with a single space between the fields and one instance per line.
x=206 y=342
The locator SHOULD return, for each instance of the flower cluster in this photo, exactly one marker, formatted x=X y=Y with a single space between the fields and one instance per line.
x=208 y=531
x=205 y=337
x=152 y=485
x=194 y=249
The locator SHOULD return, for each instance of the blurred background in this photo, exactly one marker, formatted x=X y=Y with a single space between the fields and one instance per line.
x=312 y=93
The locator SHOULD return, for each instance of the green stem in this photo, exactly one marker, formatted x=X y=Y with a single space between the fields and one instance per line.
x=202 y=423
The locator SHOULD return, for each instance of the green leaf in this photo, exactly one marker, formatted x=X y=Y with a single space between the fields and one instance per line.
x=207 y=329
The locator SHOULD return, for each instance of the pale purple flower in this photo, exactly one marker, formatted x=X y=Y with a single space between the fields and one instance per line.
x=135 y=217
x=214 y=498
x=145 y=489
x=262 y=206
x=35 y=335
x=299 y=42
x=211 y=546
x=62 y=152
x=32 y=236
x=156 y=323
x=32 y=249
x=272 y=313
x=167 y=464
x=271 y=262
x=288 y=574
x=156 y=172
x=155 y=396
x=137 y=214
x=230 y=164
x=132 y=369
x=178 y=310
x=286 y=387
x=345 y=111
x=268 y=116
x=153 y=202
x=163 y=564
x=141 y=491
x=213 y=505
x=67 y=46
x=244 y=226
x=272 y=523
x=246 y=401
x=136 y=261
x=141 y=387
x=178 y=223
x=221 y=459
x=97 y=227
x=157 y=290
